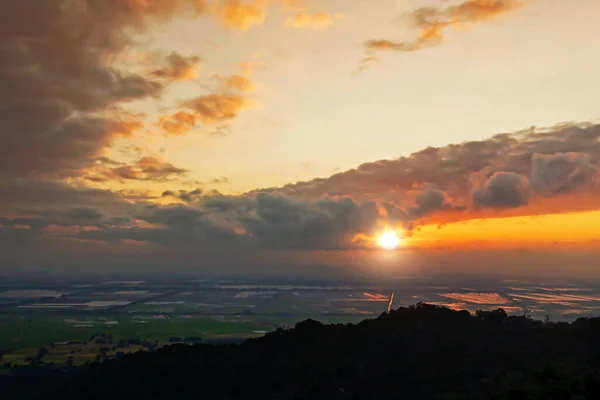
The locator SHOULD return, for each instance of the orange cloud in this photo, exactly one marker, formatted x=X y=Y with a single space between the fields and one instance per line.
x=303 y=19
x=147 y=168
x=178 y=123
x=376 y=296
x=215 y=108
x=241 y=15
x=432 y=22
x=235 y=83
x=222 y=104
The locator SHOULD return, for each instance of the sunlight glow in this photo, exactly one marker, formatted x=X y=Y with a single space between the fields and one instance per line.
x=389 y=240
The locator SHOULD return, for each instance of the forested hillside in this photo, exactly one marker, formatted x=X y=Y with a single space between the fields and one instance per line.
x=419 y=352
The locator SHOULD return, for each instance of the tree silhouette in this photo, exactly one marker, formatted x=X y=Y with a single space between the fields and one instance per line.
x=41 y=353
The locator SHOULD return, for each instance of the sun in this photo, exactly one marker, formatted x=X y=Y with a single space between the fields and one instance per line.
x=389 y=240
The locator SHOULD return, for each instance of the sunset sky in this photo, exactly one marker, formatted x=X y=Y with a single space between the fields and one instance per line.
x=293 y=133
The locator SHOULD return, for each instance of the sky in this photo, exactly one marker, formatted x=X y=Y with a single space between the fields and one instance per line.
x=286 y=135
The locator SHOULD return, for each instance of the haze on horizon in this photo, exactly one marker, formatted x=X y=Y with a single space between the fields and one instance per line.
x=291 y=135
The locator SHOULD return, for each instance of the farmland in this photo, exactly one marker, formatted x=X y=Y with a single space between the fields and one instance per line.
x=53 y=313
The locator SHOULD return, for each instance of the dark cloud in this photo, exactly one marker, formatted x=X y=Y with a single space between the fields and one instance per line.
x=18 y=197
x=55 y=72
x=273 y=220
x=184 y=195
x=135 y=194
x=178 y=67
x=431 y=199
x=40 y=216
x=15 y=240
x=60 y=150
x=264 y=221
x=227 y=204
x=418 y=203
x=176 y=227
x=563 y=172
x=73 y=216
x=220 y=180
x=38 y=222
x=502 y=190
x=172 y=216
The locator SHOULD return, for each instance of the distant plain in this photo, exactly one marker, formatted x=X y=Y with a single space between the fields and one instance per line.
x=63 y=309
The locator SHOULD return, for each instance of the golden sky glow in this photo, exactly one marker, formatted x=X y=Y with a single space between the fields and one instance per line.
x=532 y=231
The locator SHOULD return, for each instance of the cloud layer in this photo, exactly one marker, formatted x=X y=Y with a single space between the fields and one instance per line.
x=507 y=170
x=514 y=172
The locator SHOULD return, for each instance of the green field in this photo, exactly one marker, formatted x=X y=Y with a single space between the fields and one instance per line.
x=18 y=331
x=81 y=353
x=35 y=330
x=22 y=336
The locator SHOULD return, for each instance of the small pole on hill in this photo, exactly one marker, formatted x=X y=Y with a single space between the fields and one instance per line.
x=390 y=302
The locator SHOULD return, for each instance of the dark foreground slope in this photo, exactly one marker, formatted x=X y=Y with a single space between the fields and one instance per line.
x=420 y=352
